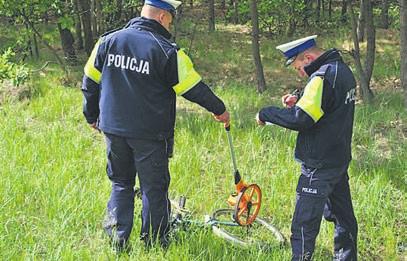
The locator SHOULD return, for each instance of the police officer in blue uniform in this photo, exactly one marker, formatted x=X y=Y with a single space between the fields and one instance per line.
x=130 y=86
x=323 y=116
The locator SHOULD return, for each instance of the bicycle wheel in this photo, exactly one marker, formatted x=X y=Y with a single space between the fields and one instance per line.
x=260 y=233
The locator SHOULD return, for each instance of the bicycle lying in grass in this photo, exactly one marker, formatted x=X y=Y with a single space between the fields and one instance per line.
x=222 y=223
x=239 y=224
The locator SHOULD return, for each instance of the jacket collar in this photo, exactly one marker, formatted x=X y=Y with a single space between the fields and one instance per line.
x=331 y=55
x=149 y=25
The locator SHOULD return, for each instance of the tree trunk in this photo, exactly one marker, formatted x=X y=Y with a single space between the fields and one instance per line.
x=53 y=51
x=78 y=25
x=330 y=9
x=29 y=45
x=344 y=10
x=67 y=41
x=403 y=47
x=318 y=16
x=211 y=9
x=119 y=10
x=307 y=12
x=84 y=7
x=236 y=10
x=223 y=5
x=224 y=10
x=100 y=16
x=191 y=4
x=261 y=83
x=362 y=20
x=384 y=15
x=371 y=40
x=366 y=92
x=177 y=22
x=36 y=51
x=93 y=18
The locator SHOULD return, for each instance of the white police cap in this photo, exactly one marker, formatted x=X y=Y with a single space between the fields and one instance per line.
x=292 y=49
x=169 y=5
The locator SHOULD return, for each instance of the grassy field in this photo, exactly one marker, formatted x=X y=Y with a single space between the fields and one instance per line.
x=54 y=188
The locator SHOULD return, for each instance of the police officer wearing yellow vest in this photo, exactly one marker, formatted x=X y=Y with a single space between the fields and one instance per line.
x=130 y=86
x=323 y=117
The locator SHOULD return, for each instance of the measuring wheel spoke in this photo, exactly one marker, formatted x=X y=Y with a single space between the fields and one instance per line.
x=242 y=210
x=252 y=193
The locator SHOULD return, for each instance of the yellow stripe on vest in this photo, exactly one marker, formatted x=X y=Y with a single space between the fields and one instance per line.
x=90 y=70
x=187 y=76
x=311 y=101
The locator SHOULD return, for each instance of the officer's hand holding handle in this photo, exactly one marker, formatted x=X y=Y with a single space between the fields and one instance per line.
x=224 y=117
x=94 y=126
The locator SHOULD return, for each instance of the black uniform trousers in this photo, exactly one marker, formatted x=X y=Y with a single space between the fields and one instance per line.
x=323 y=192
x=127 y=157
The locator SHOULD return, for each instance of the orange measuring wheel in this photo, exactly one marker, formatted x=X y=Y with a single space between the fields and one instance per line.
x=247 y=205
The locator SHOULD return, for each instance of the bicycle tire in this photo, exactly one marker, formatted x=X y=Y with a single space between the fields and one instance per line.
x=219 y=229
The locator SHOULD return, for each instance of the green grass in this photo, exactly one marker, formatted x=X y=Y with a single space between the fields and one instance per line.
x=54 y=187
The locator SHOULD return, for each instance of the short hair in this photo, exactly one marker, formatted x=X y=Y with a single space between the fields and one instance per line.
x=313 y=49
x=150 y=11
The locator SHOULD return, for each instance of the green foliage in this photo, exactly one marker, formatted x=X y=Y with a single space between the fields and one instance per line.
x=66 y=21
x=274 y=16
x=394 y=16
x=17 y=73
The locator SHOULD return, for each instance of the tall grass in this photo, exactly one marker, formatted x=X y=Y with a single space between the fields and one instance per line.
x=54 y=187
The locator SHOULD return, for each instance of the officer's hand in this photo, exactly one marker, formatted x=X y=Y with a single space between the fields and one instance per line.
x=224 y=117
x=289 y=100
x=94 y=126
x=259 y=122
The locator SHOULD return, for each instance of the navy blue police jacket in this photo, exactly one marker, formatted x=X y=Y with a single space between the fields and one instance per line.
x=133 y=77
x=323 y=115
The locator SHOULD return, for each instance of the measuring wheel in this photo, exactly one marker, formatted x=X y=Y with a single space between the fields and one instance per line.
x=247 y=205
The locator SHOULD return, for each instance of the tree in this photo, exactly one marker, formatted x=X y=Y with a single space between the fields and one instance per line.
x=330 y=9
x=318 y=16
x=344 y=10
x=67 y=42
x=403 y=47
x=236 y=11
x=384 y=14
x=362 y=20
x=211 y=9
x=261 y=83
x=78 y=25
x=119 y=10
x=84 y=7
x=307 y=12
x=94 y=21
x=365 y=74
x=30 y=13
x=64 y=23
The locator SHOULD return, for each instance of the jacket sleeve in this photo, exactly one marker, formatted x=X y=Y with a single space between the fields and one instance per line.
x=309 y=109
x=185 y=81
x=91 y=94
x=293 y=118
x=90 y=84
